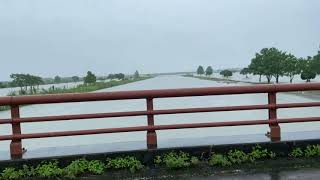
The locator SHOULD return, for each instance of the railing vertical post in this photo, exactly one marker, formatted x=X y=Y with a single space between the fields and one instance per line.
x=16 y=145
x=151 y=135
x=275 y=131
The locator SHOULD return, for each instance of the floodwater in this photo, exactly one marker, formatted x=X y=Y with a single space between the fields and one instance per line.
x=255 y=78
x=6 y=91
x=161 y=82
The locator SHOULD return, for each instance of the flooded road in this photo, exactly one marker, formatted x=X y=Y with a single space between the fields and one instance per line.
x=161 y=82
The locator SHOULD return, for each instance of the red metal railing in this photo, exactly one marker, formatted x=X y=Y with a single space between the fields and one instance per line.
x=17 y=136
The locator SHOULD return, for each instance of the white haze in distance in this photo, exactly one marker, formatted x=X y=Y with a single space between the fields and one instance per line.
x=70 y=37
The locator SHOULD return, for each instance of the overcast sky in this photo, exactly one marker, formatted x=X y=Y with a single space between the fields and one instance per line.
x=70 y=37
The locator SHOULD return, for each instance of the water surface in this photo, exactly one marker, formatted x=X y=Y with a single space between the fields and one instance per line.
x=162 y=82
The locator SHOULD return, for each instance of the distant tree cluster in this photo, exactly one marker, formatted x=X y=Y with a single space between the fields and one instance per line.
x=136 y=74
x=226 y=73
x=207 y=72
x=75 y=78
x=271 y=62
x=24 y=81
x=90 y=78
x=116 y=76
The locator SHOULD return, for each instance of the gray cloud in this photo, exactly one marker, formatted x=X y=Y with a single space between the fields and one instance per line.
x=67 y=37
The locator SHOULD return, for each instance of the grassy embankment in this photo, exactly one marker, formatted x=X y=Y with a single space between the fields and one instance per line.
x=82 y=88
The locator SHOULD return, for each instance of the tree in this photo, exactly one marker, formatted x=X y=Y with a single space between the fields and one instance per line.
x=308 y=72
x=200 y=70
x=308 y=75
x=256 y=66
x=24 y=81
x=2 y=85
x=136 y=74
x=292 y=66
x=245 y=71
x=116 y=76
x=209 y=71
x=18 y=80
x=315 y=64
x=269 y=62
x=90 y=78
x=57 y=79
x=75 y=78
x=226 y=73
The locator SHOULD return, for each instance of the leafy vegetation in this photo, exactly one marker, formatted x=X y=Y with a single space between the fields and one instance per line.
x=271 y=62
x=90 y=78
x=312 y=151
x=174 y=160
x=226 y=73
x=237 y=157
x=200 y=70
x=209 y=71
x=170 y=160
x=245 y=71
x=49 y=169
x=76 y=168
x=297 y=152
x=96 y=167
x=240 y=157
x=129 y=162
x=259 y=153
x=219 y=160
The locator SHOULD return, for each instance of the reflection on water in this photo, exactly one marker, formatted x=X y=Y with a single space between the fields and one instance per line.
x=162 y=82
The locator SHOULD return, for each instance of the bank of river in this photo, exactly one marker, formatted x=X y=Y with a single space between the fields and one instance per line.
x=165 y=136
x=306 y=94
x=82 y=88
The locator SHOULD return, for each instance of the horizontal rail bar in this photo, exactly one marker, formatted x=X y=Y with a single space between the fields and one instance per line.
x=134 y=113
x=164 y=93
x=155 y=112
x=296 y=105
x=156 y=127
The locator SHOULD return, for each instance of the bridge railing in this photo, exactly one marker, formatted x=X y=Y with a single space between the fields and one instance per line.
x=17 y=136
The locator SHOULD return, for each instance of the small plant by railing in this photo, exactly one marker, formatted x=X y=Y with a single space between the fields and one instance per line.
x=176 y=160
x=128 y=162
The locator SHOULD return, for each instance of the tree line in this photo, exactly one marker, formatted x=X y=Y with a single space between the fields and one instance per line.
x=274 y=63
x=26 y=80
x=209 y=71
x=30 y=83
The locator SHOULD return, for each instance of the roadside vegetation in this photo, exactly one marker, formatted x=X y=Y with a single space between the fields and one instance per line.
x=275 y=63
x=171 y=160
x=90 y=84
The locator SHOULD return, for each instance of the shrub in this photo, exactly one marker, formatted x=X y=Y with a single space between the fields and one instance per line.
x=174 y=160
x=259 y=153
x=237 y=157
x=219 y=160
x=130 y=163
x=10 y=174
x=297 y=152
x=76 y=168
x=96 y=167
x=194 y=160
x=312 y=150
x=28 y=171
x=49 y=169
